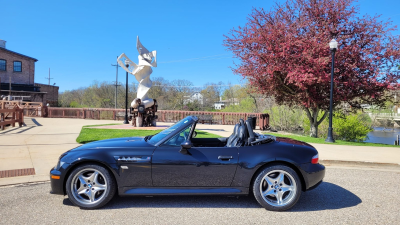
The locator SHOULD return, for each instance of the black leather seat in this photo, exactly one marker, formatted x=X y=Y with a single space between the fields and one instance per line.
x=242 y=136
x=232 y=139
x=250 y=131
x=239 y=136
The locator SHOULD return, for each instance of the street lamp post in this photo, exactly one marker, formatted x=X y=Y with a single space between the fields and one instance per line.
x=126 y=97
x=333 y=46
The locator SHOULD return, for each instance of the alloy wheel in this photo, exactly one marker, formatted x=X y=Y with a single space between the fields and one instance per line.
x=278 y=188
x=89 y=186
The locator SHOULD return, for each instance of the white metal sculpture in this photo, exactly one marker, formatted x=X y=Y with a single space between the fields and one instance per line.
x=142 y=72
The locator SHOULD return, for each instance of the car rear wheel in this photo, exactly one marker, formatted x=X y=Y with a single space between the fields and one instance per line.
x=277 y=188
x=90 y=186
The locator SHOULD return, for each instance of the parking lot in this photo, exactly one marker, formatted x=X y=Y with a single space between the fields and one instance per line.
x=348 y=196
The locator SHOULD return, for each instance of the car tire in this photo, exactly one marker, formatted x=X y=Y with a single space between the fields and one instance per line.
x=277 y=188
x=90 y=186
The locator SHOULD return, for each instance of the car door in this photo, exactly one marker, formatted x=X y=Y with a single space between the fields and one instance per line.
x=200 y=167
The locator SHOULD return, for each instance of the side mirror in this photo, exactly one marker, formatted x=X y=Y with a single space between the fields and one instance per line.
x=194 y=134
x=185 y=146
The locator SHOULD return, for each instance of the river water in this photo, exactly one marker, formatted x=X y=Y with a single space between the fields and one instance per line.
x=382 y=135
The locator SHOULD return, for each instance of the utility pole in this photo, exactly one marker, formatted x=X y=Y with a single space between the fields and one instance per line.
x=49 y=77
x=116 y=83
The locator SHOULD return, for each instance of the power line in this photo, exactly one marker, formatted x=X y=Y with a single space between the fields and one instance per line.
x=196 y=86
x=198 y=59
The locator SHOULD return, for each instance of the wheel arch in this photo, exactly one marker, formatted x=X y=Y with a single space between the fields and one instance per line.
x=279 y=162
x=95 y=162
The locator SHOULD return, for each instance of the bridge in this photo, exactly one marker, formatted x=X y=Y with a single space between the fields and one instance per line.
x=386 y=118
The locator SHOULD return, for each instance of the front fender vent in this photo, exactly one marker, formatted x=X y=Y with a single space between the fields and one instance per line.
x=132 y=158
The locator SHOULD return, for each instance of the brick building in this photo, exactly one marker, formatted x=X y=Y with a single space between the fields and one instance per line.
x=51 y=96
x=17 y=78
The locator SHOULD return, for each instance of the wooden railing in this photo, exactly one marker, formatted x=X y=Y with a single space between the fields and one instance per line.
x=33 y=109
x=11 y=116
x=224 y=118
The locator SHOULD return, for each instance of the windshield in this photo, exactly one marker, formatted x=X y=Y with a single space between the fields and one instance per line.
x=178 y=126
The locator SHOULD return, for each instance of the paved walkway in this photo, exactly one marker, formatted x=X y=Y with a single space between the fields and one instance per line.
x=39 y=144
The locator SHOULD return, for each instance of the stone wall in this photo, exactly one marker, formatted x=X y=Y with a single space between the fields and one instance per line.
x=27 y=75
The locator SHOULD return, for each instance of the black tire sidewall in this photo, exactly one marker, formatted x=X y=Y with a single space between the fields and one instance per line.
x=256 y=187
x=109 y=194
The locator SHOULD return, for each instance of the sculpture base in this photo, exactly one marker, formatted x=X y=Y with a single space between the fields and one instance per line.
x=146 y=117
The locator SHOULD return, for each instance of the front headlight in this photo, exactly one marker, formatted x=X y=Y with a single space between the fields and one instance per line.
x=60 y=163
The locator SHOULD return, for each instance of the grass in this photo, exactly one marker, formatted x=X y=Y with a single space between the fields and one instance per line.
x=99 y=125
x=322 y=140
x=89 y=134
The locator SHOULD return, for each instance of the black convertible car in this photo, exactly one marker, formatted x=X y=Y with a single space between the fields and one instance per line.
x=175 y=162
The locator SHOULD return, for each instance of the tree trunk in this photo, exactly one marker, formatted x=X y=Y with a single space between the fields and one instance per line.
x=313 y=129
x=313 y=118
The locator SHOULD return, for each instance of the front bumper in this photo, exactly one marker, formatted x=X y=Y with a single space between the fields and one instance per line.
x=313 y=175
x=57 y=185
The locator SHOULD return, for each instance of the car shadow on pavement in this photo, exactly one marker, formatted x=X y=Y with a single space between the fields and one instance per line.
x=327 y=196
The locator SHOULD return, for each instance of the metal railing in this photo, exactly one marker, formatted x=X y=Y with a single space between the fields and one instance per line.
x=223 y=118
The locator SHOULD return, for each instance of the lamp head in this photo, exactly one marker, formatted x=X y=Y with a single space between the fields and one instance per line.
x=333 y=44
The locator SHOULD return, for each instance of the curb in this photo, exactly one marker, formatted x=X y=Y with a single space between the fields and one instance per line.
x=361 y=164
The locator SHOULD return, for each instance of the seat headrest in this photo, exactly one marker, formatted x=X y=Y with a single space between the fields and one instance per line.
x=250 y=130
x=236 y=129
x=242 y=133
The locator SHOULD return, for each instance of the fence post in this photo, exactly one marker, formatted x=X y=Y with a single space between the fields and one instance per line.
x=99 y=114
x=63 y=113
x=13 y=117
x=1 y=120
x=22 y=117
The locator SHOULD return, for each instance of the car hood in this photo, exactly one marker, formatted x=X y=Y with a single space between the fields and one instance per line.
x=128 y=142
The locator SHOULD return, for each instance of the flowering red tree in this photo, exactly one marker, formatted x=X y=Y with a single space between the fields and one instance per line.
x=285 y=53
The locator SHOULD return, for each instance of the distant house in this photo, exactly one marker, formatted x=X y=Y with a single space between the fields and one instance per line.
x=195 y=97
x=17 y=79
x=221 y=104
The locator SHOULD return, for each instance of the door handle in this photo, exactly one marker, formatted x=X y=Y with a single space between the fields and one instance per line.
x=225 y=157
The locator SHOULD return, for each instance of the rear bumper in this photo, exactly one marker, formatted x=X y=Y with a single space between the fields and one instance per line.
x=313 y=175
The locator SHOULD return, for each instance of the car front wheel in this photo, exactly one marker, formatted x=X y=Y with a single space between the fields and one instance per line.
x=90 y=186
x=277 y=188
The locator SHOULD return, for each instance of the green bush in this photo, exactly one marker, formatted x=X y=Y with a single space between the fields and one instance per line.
x=353 y=127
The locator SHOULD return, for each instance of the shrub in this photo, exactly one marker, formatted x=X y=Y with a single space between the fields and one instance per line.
x=353 y=127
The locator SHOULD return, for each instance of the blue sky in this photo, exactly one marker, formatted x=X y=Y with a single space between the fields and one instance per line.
x=79 y=40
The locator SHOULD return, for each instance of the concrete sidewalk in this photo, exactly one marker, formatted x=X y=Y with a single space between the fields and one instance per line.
x=39 y=144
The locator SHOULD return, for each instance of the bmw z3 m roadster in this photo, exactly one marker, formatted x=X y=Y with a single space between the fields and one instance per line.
x=174 y=162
